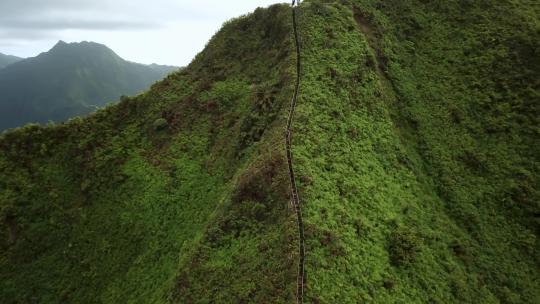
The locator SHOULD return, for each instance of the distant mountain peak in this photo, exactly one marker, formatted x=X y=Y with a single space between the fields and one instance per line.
x=6 y=60
x=74 y=77
x=83 y=49
x=59 y=44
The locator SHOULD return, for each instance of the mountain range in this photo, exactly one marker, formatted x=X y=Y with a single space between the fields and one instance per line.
x=6 y=60
x=69 y=80
x=341 y=151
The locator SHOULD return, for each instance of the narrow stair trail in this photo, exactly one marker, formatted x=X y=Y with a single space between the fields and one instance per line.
x=300 y=280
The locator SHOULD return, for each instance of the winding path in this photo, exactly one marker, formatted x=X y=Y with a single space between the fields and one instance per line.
x=300 y=280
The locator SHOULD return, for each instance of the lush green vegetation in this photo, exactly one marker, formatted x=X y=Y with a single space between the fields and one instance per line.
x=184 y=184
x=69 y=80
x=417 y=145
x=415 y=148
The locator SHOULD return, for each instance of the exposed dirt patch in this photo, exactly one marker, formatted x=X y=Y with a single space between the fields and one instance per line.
x=261 y=179
x=371 y=33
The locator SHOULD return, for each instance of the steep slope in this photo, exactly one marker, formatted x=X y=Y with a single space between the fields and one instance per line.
x=414 y=148
x=69 y=80
x=6 y=60
x=179 y=194
x=416 y=145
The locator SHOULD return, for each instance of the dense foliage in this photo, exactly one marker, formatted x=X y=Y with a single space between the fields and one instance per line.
x=417 y=137
x=414 y=145
x=69 y=80
x=181 y=186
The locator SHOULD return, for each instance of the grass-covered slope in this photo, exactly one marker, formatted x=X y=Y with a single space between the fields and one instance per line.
x=178 y=194
x=416 y=143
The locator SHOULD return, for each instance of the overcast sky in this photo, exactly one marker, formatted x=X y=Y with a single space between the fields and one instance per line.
x=145 y=31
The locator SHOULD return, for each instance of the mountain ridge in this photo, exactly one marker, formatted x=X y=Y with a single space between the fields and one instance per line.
x=414 y=148
x=69 y=80
x=6 y=60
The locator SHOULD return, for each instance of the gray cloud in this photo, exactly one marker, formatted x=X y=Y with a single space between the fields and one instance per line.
x=61 y=24
x=24 y=8
x=11 y=36
x=41 y=17
x=173 y=31
x=36 y=19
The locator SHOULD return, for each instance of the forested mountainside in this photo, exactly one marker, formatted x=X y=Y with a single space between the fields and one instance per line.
x=415 y=153
x=6 y=60
x=69 y=80
x=177 y=194
x=417 y=132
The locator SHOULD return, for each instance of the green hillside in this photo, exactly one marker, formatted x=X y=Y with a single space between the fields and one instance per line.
x=415 y=146
x=417 y=134
x=123 y=206
x=69 y=80
x=6 y=60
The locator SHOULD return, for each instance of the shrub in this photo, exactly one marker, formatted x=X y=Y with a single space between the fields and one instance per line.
x=403 y=247
x=160 y=124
